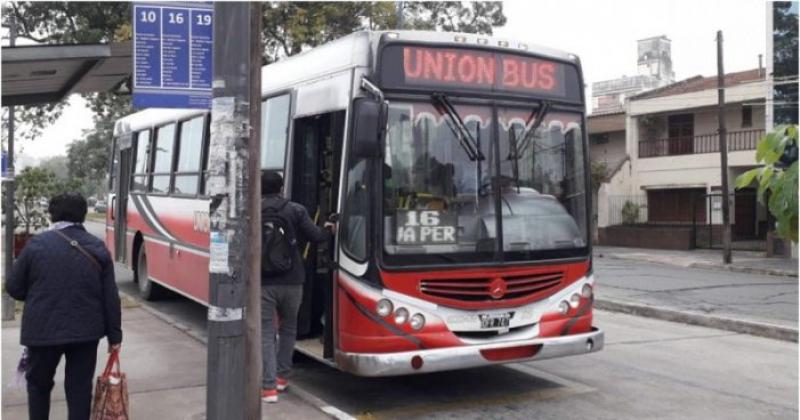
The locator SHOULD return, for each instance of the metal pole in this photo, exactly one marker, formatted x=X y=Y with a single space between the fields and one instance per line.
x=8 y=239
x=252 y=336
x=723 y=153
x=230 y=215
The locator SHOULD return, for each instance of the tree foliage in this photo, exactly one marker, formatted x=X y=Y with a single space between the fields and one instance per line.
x=289 y=28
x=777 y=179
x=34 y=188
x=292 y=27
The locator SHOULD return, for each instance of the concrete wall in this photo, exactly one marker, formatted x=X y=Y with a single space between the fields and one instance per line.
x=610 y=153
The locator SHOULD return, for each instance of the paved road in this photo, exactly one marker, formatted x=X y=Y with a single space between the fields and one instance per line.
x=763 y=298
x=649 y=369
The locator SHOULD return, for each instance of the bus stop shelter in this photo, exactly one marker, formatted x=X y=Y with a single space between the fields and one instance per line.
x=39 y=74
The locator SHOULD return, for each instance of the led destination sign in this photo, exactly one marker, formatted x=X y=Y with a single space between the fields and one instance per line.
x=415 y=67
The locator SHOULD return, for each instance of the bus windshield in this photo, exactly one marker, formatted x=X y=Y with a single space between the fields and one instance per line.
x=440 y=205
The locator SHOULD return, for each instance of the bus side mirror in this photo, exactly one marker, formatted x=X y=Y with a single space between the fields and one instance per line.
x=369 y=118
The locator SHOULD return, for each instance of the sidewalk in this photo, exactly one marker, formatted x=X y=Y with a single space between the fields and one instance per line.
x=742 y=261
x=692 y=288
x=166 y=372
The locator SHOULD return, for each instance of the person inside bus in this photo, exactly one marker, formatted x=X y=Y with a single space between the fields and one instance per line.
x=65 y=276
x=282 y=285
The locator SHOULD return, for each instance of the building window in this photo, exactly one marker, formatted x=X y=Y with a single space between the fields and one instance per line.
x=747 y=116
x=680 y=129
x=601 y=138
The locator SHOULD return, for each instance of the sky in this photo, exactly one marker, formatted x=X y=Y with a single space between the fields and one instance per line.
x=602 y=33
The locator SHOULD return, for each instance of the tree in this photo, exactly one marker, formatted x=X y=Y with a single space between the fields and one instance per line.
x=292 y=27
x=777 y=179
x=57 y=165
x=62 y=23
x=35 y=186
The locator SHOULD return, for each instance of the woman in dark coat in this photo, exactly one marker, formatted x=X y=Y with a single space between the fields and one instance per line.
x=66 y=278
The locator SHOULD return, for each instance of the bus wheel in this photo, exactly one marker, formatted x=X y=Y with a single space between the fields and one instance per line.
x=147 y=289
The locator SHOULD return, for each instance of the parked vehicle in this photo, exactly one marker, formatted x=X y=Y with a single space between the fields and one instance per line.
x=100 y=206
x=458 y=166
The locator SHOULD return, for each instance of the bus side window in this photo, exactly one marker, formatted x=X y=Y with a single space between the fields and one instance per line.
x=190 y=148
x=140 y=164
x=356 y=211
x=162 y=162
x=274 y=131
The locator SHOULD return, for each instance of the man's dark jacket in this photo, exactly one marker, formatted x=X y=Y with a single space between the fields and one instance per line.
x=303 y=229
x=68 y=299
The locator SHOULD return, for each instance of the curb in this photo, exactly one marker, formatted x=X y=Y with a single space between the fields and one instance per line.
x=760 y=329
x=748 y=270
x=306 y=396
x=704 y=265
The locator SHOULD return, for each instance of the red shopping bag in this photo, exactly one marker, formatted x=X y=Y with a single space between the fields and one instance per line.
x=111 y=392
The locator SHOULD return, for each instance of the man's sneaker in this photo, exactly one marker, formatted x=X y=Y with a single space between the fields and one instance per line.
x=282 y=384
x=269 y=395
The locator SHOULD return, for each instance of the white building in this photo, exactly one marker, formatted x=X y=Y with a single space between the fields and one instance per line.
x=672 y=160
x=654 y=63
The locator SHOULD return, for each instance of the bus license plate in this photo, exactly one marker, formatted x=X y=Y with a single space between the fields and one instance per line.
x=496 y=320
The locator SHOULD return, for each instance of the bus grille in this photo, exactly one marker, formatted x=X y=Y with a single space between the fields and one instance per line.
x=493 y=289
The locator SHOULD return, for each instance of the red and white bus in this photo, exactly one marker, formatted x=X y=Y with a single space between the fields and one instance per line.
x=458 y=166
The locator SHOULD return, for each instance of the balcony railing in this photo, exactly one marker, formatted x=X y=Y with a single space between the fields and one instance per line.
x=705 y=143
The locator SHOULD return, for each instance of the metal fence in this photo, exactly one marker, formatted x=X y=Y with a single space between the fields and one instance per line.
x=704 y=143
x=627 y=209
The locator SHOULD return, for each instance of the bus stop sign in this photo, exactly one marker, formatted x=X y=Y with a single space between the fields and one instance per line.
x=172 y=54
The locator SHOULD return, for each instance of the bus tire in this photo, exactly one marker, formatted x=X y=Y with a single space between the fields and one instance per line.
x=148 y=290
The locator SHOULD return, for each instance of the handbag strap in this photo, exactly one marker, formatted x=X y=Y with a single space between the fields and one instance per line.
x=78 y=246
x=113 y=360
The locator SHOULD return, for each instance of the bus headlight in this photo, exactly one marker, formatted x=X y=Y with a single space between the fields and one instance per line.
x=586 y=290
x=575 y=300
x=384 y=307
x=563 y=307
x=400 y=316
x=417 y=321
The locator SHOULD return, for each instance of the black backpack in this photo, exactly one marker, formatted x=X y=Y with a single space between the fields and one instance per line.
x=277 y=241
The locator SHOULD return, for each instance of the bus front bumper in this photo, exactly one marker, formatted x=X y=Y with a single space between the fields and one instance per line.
x=452 y=358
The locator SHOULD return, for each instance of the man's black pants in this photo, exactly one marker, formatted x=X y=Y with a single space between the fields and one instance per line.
x=43 y=361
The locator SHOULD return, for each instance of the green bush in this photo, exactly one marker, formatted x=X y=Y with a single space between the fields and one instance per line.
x=630 y=213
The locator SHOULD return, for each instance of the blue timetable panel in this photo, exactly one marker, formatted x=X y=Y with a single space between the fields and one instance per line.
x=172 y=54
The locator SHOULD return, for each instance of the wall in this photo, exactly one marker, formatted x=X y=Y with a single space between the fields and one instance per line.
x=610 y=153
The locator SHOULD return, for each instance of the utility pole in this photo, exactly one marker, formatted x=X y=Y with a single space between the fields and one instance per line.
x=8 y=239
x=252 y=317
x=723 y=153
x=233 y=382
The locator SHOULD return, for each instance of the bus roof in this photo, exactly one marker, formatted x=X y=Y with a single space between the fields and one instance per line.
x=351 y=51
x=151 y=117
x=359 y=48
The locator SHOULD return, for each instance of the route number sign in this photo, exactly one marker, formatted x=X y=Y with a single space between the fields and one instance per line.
x=172 y=54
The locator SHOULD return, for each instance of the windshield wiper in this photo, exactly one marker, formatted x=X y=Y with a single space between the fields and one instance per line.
x=458 y=127
x=527 y=137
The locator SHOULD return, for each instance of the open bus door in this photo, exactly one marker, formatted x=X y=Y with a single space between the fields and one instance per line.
x=314 y=184
x=119 y=205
